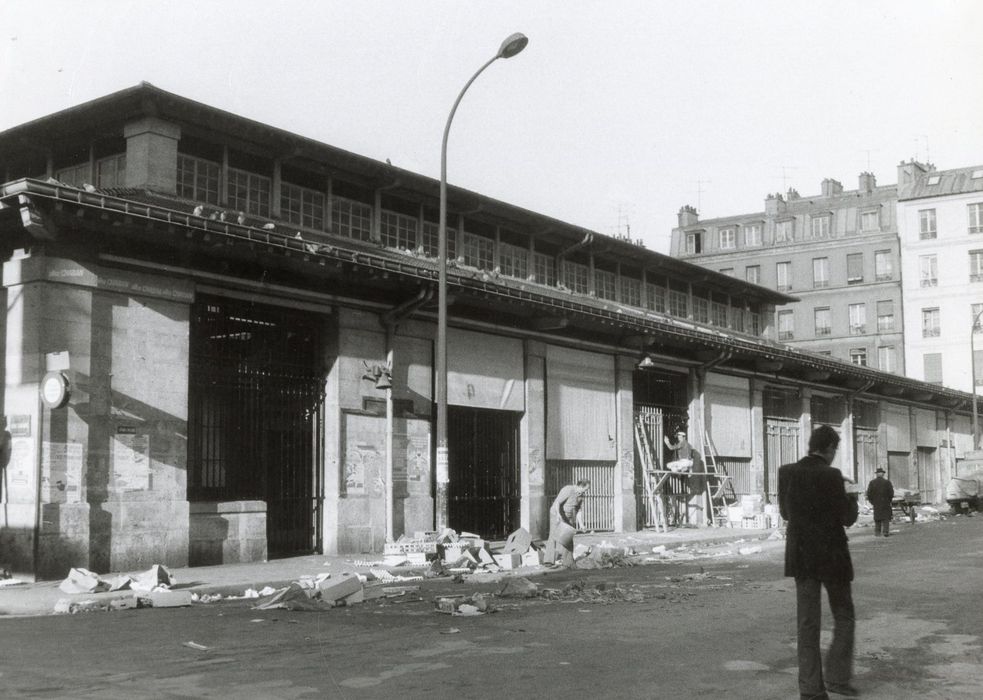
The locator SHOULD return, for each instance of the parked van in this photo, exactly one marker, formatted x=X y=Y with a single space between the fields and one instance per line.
x=965 y=492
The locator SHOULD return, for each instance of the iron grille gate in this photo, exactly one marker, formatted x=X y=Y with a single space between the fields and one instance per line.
x=255 y=417
x=659 y=421
x=483 y=455
x=781 y=447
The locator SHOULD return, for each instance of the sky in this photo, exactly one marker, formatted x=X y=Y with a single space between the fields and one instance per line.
x=614 y=116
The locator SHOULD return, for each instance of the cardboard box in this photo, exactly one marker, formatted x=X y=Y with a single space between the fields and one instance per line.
x=508 y=561
x=534 y=557
x=336 y=588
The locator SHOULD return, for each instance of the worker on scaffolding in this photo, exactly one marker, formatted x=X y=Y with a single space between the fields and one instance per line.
x=682 y=451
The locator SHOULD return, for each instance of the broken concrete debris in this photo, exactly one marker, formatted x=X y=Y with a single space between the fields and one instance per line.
x=476 y=604
x=84 y=581
x=327 y=592
x=519 y=587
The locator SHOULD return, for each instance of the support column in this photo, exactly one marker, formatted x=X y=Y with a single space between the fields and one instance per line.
x=534 y=515
x=625 y=516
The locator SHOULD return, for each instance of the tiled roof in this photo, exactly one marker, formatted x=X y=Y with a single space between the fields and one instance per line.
x=949 y=182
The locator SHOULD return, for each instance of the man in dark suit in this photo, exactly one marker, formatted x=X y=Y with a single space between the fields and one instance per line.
x=813 y=501
x=880 y=494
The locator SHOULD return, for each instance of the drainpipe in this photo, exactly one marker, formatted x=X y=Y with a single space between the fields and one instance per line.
x=588 y=238
x=390 y=320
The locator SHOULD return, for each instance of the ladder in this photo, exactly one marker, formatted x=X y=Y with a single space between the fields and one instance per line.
x=653 y=477
x=720 y=490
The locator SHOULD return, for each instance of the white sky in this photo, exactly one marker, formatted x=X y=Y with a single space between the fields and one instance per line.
x=617 y=113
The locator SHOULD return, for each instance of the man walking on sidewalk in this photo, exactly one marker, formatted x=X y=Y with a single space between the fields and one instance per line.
x=880 y=493
x=813 y=501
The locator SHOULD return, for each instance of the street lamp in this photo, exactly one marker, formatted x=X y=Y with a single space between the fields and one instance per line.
x=509 y=48
x=972 y=371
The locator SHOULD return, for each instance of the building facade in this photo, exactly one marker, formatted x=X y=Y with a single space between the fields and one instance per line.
x=219 y=343
x=940 y=220
x=837 y=252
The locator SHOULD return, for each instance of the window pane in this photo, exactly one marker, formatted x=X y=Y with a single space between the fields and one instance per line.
x=786 y=329
x=604 y=285
x=820 y=272
x=479 y=251
x=976 y=218
x=544 y=272
x=858 y=319
x=823 y=321
x=883 y=265
x=928 y=270
x=752 y=234
x=933 y=367
x=854 y=268
x=931 y=323
x=351 y=218
x=728 y=238
x=576 y=277
x=926 y=224
x=783 y=276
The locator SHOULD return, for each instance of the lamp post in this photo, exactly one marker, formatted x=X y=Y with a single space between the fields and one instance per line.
x=972 y=371
x=512 y=45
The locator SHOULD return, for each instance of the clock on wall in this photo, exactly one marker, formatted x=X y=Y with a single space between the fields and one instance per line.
x=55 y=390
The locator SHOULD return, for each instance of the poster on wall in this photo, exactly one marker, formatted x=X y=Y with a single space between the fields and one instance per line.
x=364 y=454
x=131 y=460
x=20 y=471
x=61 y=469
x=411 y=452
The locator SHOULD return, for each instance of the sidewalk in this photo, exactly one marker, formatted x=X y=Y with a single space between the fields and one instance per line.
x=234 y=579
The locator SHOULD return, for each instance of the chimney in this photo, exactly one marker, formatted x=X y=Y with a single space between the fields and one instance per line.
x=831 y=187
x=910 y=171
x=687 y=216
x=151 y=154
x=774 y=205
x=792 y=194
x=867 y=182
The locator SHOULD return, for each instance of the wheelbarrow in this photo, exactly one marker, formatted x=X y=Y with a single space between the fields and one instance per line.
x=906 y=500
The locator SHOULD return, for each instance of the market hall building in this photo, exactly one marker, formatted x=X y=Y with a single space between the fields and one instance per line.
x=219 y=342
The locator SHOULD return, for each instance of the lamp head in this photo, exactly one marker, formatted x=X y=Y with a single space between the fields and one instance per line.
x=512 y=45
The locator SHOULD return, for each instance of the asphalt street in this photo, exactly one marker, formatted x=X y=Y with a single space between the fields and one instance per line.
x=720 y=625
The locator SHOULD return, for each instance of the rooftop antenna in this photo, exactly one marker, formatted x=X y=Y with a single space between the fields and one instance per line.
x=623 y=221
x=785 y=176
x=928 y=157
x=699 y=192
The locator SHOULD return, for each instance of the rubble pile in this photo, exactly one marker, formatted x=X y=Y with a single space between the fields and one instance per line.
x=151 y=589
x=450 y=553
x=597 y=593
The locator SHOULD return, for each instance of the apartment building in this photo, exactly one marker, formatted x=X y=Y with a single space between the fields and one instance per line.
x=940 y=222
x=836 y=251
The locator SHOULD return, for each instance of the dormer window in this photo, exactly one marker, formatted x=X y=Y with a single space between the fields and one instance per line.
x=728 y=238
x=821 y=225
x=694 y=243
x=752 y=235
x=784 y=231
x=870 y=220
